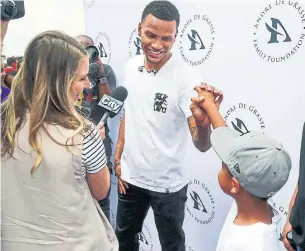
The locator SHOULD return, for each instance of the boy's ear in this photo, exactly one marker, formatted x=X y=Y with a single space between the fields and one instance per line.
x=235 y=189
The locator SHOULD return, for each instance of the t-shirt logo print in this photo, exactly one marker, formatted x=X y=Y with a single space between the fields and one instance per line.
x=160 y=102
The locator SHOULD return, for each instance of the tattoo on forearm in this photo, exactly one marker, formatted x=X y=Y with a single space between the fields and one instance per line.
x=192 y=125
x=200 y=136
x=193 y=130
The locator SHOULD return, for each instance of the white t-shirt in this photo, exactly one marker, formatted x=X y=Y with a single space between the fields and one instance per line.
x=156 y=129
x=256 y=237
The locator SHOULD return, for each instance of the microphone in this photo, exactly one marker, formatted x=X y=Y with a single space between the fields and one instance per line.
x=110 y=106
x=141 y=69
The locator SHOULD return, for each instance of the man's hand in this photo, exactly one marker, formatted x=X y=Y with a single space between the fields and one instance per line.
x=99 y=62
x=207 y=96
x=101 y=129
x=287 y=228
x=122 y=184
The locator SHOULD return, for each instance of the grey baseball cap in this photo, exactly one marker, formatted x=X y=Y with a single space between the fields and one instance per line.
x=258 y=162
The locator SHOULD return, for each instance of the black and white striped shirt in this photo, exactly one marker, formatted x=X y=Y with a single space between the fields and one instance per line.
x=93 y=155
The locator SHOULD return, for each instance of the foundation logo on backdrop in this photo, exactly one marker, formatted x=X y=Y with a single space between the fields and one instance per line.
x=279 y=30
x=145 y=239
x=89 y=3
x=200 y=203
x=244 y=118
x=135 y=44
x=102 y=42
x=196 y=40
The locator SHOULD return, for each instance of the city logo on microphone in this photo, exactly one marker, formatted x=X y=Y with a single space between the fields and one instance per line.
x=110 y=104
x=145 y=239
x=279 y=30
x=200 y=203
x=134 y=44
x=102 y=42
x=196 y=40
x=243 y=118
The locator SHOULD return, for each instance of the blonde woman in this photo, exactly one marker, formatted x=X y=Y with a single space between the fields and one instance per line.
x=53 y=166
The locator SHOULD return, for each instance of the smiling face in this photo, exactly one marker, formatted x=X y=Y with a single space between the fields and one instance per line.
x=158 y=37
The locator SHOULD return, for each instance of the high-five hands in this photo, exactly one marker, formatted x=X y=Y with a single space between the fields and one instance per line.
x=208 y=96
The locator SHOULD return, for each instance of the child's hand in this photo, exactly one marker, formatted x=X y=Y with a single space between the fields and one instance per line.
x=207 y=96
x=208 y=99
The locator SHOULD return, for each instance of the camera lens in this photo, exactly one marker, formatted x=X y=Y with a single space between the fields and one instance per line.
x=93 y=53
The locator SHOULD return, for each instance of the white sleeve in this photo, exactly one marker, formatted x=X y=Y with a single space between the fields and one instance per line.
x=190 y=80
x=93 y=154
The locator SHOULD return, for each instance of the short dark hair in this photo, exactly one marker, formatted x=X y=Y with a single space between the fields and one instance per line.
x=264 y=199
x=163 y=10
x=11 y=60
x=11 y=73
x=84 y=37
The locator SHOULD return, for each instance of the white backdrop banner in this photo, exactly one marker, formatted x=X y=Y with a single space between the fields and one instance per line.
x=254 y=52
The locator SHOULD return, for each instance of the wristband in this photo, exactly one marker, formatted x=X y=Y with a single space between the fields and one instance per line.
x=103 y=80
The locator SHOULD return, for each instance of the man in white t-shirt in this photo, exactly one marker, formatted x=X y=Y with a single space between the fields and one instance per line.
x=153 y=134
x=254 y=168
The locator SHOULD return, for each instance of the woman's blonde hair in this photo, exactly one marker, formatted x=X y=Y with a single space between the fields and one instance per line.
x=42 y=89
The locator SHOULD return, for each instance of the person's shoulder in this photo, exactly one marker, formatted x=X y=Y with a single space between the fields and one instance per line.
x=185 y=73
x=107 y=67
x=243 y=238
x=236 y=240
x=179 y=65
x=260 y=237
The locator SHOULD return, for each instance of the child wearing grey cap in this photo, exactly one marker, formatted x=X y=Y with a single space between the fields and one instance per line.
x=254 y=168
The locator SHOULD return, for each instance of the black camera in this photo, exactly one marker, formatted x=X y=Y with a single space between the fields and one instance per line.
x=291 y=241
x=11 y=9
x=93 y=53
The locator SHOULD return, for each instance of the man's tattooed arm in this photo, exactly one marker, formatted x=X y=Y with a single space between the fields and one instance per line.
x=200 y=135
